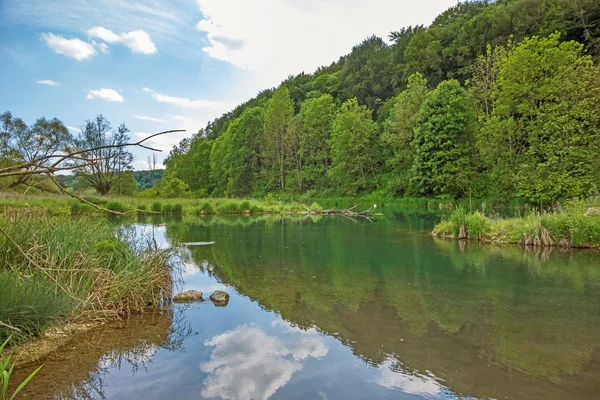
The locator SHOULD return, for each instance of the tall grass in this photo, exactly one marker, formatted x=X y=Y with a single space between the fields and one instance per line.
x=568 y=227
x=62 y=268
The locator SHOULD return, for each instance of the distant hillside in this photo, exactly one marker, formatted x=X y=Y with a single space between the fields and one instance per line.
x=493 y=99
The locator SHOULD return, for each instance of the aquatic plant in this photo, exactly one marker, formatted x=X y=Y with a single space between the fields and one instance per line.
x=6 y=370
x=74 y=268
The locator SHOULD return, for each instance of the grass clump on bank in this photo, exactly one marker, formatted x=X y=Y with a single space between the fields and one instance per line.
x=61 y=269
x=566 y=227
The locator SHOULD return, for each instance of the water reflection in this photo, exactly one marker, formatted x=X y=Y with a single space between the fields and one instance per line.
x=393 y=377
x=78 y=368
x=337 y=309
x=249 y=364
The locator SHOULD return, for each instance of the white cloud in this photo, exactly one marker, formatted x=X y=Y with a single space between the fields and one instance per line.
x=48 y=82
x=273 y=39
x=138 y=41
x=105 y=94
x=187 y=103
x=249 y=364
x=148 y=118
x=100 y=46
x=75 y=48
x=72 y=128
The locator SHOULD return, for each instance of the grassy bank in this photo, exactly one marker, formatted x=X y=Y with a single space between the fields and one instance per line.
x=566 y=227
x=65 y=205
x=58 y=269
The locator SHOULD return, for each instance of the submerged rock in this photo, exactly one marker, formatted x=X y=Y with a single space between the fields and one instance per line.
x=219 y=298
x=190 y=295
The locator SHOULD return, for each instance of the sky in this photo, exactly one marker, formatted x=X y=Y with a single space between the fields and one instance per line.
x=174 y=64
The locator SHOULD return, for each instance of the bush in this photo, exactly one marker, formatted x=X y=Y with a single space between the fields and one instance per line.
x=78 y=208
x=115 y=206
x=207 y=208
x=244 y=206
x=142 y=207
x=156 y=207
x=177 y=209
x=167 y=209
x=229 y=207
x=30 y=303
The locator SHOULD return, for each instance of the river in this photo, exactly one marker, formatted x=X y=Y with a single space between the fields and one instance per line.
x=341 y=308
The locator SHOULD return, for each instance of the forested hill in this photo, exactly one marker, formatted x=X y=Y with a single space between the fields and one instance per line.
x=493 y=99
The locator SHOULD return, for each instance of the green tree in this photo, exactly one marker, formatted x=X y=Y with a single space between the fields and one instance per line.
x=172 y=187
x=443 y=142
x=277 y=121
x=105 y=159
x=243 y=143
x=354 y=149
x=125 y=185
x=398 y=131
x=317 y=117
x=542 y=141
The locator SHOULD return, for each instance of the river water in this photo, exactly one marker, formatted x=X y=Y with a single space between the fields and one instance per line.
x=340 y=308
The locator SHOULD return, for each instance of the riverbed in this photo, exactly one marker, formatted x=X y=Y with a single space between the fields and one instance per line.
x=346 y=308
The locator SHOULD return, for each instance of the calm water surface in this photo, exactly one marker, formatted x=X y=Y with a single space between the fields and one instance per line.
x=335 y=308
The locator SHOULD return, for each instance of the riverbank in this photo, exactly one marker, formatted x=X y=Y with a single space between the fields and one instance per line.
x=56 y=270
x=65 y=205
x=576 y=225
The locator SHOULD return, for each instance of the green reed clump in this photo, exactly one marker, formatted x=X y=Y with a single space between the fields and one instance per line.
x=74 y=268
x=207 y=208
x=157 y=206
x=115 y=206
x=77 y=207
x=167 y=209
x=567 y=228
x=177 y=209
x=229 y=207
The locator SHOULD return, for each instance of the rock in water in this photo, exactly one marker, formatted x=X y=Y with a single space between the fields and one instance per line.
x=219 y=298
x=190 y=295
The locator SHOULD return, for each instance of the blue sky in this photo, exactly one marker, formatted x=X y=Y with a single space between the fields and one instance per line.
x=174 y=64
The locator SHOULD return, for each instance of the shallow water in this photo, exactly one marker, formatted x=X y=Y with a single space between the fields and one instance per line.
x=338 y=308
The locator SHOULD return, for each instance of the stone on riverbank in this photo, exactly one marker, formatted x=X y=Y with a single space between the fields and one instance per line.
x=593 y=211
x=219 y=298
x=190 y=295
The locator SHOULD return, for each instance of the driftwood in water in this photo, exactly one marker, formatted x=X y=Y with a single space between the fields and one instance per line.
x=346 y=213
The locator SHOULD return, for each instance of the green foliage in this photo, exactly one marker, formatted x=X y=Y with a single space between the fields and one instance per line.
x=486 y=102
x=115 y=206
x=317 y=117
x=207 y=208
x=177 y=209
x=6 y=370
x=156 y=206
x=172 y=187
x=399 y=130
x=443 y=142
x=354 y=149
x=278 y=118
x=167 y=209
x=542 y=141
x=124 y=185
x=75 y=259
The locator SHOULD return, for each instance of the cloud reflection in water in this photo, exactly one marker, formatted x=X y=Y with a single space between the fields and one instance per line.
x=249 y=364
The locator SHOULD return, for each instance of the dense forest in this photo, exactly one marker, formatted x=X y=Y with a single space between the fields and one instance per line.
x=496 y=100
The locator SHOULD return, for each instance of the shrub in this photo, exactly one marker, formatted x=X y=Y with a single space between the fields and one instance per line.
x=244 y=206
x=167 y=209
x=207 y=208
x=177 y=209
x=142 y=207
x=156 y=206
x=115 y=206
x=229 y=207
